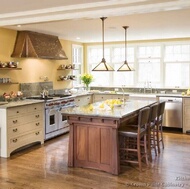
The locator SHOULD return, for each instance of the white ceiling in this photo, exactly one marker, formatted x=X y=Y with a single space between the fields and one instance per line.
x=147 y=19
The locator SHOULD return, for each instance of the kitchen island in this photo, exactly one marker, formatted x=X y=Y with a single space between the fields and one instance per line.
x=93 y=140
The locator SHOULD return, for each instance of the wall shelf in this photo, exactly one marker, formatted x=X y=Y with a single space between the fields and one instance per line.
x=10 y=83
x=10 y=68
x=66 y=69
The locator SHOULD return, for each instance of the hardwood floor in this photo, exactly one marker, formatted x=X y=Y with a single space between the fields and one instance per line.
x=45 y=167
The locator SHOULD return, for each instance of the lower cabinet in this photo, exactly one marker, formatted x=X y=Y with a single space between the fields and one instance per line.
x=186 y=114
x=20 y=126
x=83 y=100
x=102 y=97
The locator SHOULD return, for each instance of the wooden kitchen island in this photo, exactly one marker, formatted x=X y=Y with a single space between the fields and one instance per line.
x=93 y=139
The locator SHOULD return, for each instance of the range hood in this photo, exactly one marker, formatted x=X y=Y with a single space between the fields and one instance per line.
x=30 y=44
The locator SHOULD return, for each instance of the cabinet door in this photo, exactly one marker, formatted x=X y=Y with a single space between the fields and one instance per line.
x=186 y=114
x=102 y=97
x=83 y=100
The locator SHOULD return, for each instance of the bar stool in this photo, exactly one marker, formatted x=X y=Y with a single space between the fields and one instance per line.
x=159 y=128
x=152 y=130
x=133 y=138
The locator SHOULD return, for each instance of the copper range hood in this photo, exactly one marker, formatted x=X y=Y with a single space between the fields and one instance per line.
x=30 y=44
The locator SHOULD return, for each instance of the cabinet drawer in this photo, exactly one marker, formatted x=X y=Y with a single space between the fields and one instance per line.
x=35 y=107
x=23 y=140
x=16 y=111
x=16 y=131
x=16 y=121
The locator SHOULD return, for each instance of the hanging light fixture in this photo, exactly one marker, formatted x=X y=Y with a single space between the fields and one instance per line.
x=125 y=66
x=103 y=66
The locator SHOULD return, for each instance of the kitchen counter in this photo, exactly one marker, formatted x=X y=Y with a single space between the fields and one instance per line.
x=19 y=103
x=93 y=139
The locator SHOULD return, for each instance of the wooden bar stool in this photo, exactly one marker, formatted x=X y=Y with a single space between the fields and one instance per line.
x=152 y=130
x=159 y=128
x=133 y=138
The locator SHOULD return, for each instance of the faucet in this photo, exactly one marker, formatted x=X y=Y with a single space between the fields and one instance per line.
x=147 y=86
x=122 y=88
x=44 y=93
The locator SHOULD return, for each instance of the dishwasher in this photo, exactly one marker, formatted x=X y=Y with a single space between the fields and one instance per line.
x=173 y=111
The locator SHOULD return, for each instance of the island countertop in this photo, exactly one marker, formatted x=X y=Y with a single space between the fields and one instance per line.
x=94 y=110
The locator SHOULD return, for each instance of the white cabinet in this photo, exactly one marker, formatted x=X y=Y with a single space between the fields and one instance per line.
x=102 y=97
x=186 y=114
x=20 y=126
x=83 y=100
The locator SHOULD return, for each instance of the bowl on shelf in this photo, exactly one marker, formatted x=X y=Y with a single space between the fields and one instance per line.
x=62 y=77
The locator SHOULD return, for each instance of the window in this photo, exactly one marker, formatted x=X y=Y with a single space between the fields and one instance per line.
x=163 y=64
x=149 y=64
x=77 y=56
x=115 y=57
x=177 y=62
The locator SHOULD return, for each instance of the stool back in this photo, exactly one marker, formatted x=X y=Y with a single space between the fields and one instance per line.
x=153 y=112
x=143 y=118
x=161 y=108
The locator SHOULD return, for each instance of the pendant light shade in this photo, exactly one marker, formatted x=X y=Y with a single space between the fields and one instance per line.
x=103 y=66
x=125 y=66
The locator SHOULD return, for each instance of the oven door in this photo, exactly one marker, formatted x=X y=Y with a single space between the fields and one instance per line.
x=52 y=123
x=63 y=123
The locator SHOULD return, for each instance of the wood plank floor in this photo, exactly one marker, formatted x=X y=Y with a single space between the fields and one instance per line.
x=45 y=167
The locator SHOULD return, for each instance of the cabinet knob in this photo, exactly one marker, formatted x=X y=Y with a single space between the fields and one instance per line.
x=15 y=140
x=37 y=116
x=15 y=121
x=37 y=133
x=17 y=112
x=15 y=130
x=35 y=108
x=37 y=124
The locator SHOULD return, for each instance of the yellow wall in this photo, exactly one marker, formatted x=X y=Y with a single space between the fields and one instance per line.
x=32 y=69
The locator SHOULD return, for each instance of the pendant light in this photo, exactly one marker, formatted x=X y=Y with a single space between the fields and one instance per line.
x=125 y=66
x=103 y=66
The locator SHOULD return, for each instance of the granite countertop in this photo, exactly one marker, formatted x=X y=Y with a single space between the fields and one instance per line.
x=19 y=103
x=117 y=112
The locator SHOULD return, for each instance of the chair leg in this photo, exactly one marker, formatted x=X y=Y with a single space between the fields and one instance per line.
x=154 y=141
x=145 y=150
x=139 y=153
x=158 y=138
x=149 y=144
x=162 y=139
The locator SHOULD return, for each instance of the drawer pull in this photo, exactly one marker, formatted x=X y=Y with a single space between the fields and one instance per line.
x=37 y=116
x=15 y=140
x=35 y=108
x=15 y=130
x=37 y=133
x=37 y=124
x=17 y=112
x=15 y=121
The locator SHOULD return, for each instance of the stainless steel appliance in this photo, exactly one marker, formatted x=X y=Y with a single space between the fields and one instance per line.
x=173 y=111
x=55 y=122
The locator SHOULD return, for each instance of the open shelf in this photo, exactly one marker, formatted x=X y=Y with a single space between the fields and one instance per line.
x=10 y=68
x=10 y=83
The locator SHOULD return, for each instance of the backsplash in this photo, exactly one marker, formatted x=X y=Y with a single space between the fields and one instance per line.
x=140 y=90
x=32 y=89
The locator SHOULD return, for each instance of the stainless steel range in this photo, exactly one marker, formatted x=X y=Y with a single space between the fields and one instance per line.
x=55 y=122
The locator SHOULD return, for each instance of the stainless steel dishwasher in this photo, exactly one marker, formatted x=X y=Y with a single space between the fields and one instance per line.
x=173 y=111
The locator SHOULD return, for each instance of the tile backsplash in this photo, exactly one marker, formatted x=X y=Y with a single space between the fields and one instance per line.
x=32 y=89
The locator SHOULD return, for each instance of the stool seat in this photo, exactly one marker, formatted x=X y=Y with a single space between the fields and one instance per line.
x=132 y=131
